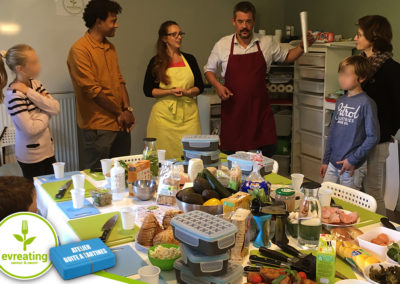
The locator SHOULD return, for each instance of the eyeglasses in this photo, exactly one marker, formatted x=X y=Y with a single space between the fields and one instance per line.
x=176 y=35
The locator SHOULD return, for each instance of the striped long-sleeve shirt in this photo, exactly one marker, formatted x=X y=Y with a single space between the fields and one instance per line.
x=31 y=114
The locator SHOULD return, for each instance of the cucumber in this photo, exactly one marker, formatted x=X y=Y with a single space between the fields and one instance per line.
x=216 y=185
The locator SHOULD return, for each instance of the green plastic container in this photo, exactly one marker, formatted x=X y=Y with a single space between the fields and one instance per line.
x=163 y=264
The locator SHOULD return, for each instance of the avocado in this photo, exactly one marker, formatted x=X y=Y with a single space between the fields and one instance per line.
x=209 y=193
x=200 y=184
x=192 y=198
x=184 y=191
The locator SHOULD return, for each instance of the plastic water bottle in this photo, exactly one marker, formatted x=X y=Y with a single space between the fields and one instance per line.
x=117 y=174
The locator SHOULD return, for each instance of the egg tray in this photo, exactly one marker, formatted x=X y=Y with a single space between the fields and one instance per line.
x=205 y=232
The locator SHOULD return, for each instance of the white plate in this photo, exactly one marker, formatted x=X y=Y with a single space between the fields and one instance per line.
x=352 y=281
x=375 y=265
x=341 y=224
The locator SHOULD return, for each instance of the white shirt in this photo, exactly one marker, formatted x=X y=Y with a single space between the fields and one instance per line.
x=271 y=49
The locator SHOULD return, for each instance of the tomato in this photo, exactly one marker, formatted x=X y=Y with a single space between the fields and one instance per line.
x=303 y=275
x=256 y=279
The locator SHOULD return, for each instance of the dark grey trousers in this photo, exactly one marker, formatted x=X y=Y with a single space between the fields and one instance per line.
x=104 y=144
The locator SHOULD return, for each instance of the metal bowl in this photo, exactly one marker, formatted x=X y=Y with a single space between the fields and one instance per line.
x=144 y=189
x=186 y=207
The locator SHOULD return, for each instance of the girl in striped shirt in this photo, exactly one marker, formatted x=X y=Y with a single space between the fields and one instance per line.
x=30 y=107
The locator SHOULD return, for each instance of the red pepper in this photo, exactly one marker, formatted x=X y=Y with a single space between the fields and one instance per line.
x=303 y=275
x=256 y=279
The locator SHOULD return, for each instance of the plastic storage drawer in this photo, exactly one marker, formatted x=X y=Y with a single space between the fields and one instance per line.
x=310 y=168
x=311 y=119
x=312 y=59
x=203 y=265
x=283 y=122
x=234 y=275
x=310 y=99
x=313 y=86
x=312 y=73
x=311 y=144
x=208 y=157
x=243 y=159
x=200 y=142
x=205 y=232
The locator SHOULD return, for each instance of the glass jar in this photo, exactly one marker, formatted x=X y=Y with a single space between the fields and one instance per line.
x=310 y=226
x=288 y=196
x=150 y=153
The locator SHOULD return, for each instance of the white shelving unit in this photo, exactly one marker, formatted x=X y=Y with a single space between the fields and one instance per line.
x=315 y=77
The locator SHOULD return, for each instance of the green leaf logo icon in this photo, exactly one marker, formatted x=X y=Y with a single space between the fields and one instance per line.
x=24 y=231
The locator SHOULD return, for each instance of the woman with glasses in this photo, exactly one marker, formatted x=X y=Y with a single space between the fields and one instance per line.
x=174 y=79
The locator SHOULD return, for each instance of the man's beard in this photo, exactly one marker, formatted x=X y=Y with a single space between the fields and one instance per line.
x=245 y=36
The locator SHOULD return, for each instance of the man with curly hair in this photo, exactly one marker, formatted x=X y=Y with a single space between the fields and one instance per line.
x=103 y=109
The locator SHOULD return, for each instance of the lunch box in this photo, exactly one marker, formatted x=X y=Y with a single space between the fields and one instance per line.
x=233 y=275
x=205 y=232
x=200 y=142
x=203 y=265
x=208 y=157
x=243 y=159
x=81 y=258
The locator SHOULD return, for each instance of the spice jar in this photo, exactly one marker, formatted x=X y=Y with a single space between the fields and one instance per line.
x=288 y=196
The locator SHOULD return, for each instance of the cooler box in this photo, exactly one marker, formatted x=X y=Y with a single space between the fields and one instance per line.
x=200 y=142
x=243 y=159
x=208 y=157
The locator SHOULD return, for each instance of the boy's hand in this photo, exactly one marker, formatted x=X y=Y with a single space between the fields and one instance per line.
x=346 y=167
x=322 y=170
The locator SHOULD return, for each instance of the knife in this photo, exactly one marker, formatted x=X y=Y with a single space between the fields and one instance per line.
x=108 y=226
x=63 y=189
x=386 y=223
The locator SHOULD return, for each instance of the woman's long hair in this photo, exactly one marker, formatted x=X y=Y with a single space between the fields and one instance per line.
x=162 y=58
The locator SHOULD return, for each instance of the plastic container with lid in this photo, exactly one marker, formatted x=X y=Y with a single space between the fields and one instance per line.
x=203 y=265
x=233 y=275
x=200 y=142
x=287 y=195
x=205 y=232
x=243 y=159
x=208 y=157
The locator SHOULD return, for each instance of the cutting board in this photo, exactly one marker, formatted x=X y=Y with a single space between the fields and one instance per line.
x=52 y=178
x=97 y=176
x=88 y=209
x=127 y=261
x=52 y=189
x=90 y=228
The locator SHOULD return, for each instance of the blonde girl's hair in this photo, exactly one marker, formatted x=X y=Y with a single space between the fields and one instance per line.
x=15 y=56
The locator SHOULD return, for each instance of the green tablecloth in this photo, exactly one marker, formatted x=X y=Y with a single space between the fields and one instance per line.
x=277 y=179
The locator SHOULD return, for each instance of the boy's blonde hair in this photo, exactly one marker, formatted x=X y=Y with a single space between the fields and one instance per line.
x=362 y=67
x=15 y=56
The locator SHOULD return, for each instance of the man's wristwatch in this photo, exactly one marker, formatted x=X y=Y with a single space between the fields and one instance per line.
x=130 y=109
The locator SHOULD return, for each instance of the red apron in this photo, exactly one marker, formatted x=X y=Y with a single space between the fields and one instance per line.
x=247 y=122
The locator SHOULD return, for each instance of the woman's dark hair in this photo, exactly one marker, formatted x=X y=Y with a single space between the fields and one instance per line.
x=162 y=58
x=99 y=9
x=378 y=31
x=16 y=195
x=245 y=7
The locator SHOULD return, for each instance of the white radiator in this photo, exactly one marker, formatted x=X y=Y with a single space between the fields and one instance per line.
x=63 y=128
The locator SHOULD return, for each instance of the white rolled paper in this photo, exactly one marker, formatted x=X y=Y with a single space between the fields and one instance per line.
x=304 y=29
x=280 y=88
x=289 y=88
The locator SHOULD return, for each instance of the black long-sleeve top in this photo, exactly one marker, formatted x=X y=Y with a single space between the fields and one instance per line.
x=150 y=82
x=384 y=89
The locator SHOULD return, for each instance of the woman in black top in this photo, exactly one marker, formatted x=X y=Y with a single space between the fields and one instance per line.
x=374 y=38
x=174 y=79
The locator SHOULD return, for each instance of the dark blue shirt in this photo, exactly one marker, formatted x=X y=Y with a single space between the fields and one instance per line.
x=354 y=130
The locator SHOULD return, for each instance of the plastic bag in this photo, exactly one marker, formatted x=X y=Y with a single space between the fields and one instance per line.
x=168 y=185
x=235 y=177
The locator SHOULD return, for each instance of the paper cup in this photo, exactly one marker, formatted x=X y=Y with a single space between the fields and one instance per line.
x=149 y=274
x=324 y=196
x=78 y=181
x=297 y=181
x=161 y=155
x=78 y=197
x=106 y=165
x=58 y=169
x=128 y=216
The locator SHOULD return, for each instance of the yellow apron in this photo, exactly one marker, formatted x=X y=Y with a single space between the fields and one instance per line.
x=173 y=117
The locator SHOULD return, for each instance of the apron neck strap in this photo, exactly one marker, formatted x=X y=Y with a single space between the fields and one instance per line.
x=233 y=42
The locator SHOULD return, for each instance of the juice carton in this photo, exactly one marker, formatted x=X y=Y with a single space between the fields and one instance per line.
x=326 y=255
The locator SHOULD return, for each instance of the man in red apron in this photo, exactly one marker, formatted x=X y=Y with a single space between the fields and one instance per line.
x=247 y=121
